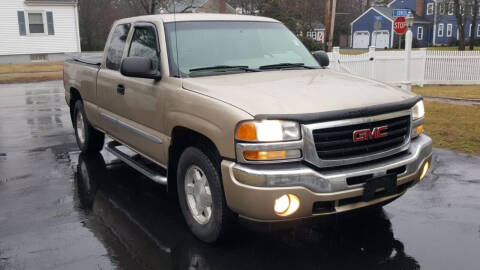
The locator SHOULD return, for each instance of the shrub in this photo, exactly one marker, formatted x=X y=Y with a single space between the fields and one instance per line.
x=312 y=45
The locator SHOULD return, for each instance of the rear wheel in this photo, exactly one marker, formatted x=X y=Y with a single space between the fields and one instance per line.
x=89 y=140
x=201 y=196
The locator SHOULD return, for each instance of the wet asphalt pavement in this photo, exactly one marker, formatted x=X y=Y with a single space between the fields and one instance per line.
x=61 y=210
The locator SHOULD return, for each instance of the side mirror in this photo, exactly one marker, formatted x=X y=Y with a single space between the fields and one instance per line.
x=139 y=67
x=322 y=58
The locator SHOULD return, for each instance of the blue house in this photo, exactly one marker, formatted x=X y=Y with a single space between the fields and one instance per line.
x=434 y=24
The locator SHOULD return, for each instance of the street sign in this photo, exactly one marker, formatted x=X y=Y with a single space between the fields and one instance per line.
x=400 y=25
x=400 y=13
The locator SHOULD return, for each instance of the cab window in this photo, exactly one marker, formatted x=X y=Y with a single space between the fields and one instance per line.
x=117 y=46
x=145 y=44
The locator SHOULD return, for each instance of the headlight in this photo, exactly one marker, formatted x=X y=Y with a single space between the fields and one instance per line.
x=418 y=111
x=268 y=131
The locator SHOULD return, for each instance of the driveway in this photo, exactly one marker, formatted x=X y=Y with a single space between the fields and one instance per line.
x=61 y=210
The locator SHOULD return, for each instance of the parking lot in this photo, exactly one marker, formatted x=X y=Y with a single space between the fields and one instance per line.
x=62 y=210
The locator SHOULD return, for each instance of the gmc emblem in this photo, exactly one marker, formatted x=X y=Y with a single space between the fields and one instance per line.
x=366 y=134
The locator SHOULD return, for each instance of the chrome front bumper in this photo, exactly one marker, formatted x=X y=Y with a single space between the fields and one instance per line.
x=252 y=189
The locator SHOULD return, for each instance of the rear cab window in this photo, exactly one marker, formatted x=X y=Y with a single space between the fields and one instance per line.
x=117 y=46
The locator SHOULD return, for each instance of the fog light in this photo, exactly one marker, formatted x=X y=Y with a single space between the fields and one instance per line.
x=424 y=170
x=286 y=205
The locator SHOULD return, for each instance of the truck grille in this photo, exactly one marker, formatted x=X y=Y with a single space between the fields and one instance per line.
x=338 y=143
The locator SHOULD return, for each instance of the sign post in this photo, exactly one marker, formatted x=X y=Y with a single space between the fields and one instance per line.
x=400 y=13
x=408 y=49
x=400 y=27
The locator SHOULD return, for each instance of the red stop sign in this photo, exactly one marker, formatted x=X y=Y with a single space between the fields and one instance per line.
x=400 y=25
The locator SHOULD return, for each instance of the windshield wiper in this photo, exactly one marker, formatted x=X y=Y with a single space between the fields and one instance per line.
x=223 y=67
x=286 y=65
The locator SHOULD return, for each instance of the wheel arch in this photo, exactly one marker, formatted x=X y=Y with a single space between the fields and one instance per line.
x=181 y=138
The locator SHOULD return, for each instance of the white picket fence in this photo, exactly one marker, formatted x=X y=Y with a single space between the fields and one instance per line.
x=427 y=67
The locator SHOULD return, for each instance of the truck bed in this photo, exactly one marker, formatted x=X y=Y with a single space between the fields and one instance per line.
x=94 y=59
x=80 y=73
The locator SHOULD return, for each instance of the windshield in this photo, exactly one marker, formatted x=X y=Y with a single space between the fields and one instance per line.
x=250 y=45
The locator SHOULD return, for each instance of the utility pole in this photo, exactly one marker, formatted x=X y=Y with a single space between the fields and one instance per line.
x=327 y=24
x=332 y=24
x=330 y=12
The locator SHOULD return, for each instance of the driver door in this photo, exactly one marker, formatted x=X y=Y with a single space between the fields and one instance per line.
x=138 y=107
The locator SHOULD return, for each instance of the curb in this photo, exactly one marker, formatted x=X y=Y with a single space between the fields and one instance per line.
x=460 y=101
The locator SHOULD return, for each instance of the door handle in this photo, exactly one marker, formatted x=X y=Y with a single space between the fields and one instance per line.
x=121 y=89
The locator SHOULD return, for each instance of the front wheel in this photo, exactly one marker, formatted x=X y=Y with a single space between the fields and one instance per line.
x=89 y=140
x=201 y=196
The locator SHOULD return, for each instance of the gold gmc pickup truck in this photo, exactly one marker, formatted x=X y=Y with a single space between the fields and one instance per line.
x=235 y=115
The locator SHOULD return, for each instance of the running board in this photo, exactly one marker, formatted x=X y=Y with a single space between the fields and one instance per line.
x=141 y=168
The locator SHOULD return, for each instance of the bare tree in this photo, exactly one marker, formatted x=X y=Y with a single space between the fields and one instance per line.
x=96 y=18
x=475 y=5
x=459 y=11
x=465 y=10
x=155 y=6
x=248 y=7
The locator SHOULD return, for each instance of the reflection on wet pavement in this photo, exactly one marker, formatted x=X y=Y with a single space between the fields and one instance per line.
x=149 y=228
x=62 y=210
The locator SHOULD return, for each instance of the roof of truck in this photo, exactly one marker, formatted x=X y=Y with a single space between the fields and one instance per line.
x=199 y=17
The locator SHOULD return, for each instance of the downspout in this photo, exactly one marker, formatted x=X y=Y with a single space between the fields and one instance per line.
x=392 y=36
x=77 y=30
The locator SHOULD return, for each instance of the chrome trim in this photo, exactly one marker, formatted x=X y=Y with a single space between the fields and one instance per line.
x=310 y=152
x=132 y=128
x=291 y=175
x=292 y=145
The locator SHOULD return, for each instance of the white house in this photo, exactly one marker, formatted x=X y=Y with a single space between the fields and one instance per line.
x=317 y=32
x=38 y=30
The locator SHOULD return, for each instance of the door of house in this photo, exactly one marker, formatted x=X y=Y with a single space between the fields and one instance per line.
x=380 y=39
x=361 y=39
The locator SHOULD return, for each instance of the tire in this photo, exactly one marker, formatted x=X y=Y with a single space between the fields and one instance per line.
x=89 y=140
x=209 y=225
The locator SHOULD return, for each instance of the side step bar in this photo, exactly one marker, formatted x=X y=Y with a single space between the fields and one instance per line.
x=141 y=168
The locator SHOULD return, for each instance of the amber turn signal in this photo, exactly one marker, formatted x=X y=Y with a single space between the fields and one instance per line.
x=419 y=129
x=264 y=155
x=247 y=131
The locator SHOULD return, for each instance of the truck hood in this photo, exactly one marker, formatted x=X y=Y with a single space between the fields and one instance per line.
x=296 y=92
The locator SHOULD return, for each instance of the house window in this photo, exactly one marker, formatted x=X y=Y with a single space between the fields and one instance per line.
x=35 y=23
x=450 y=8
x=440 y=30
x=449 y=30
x=430 y=8
x=420 y=33
x=441 y=8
